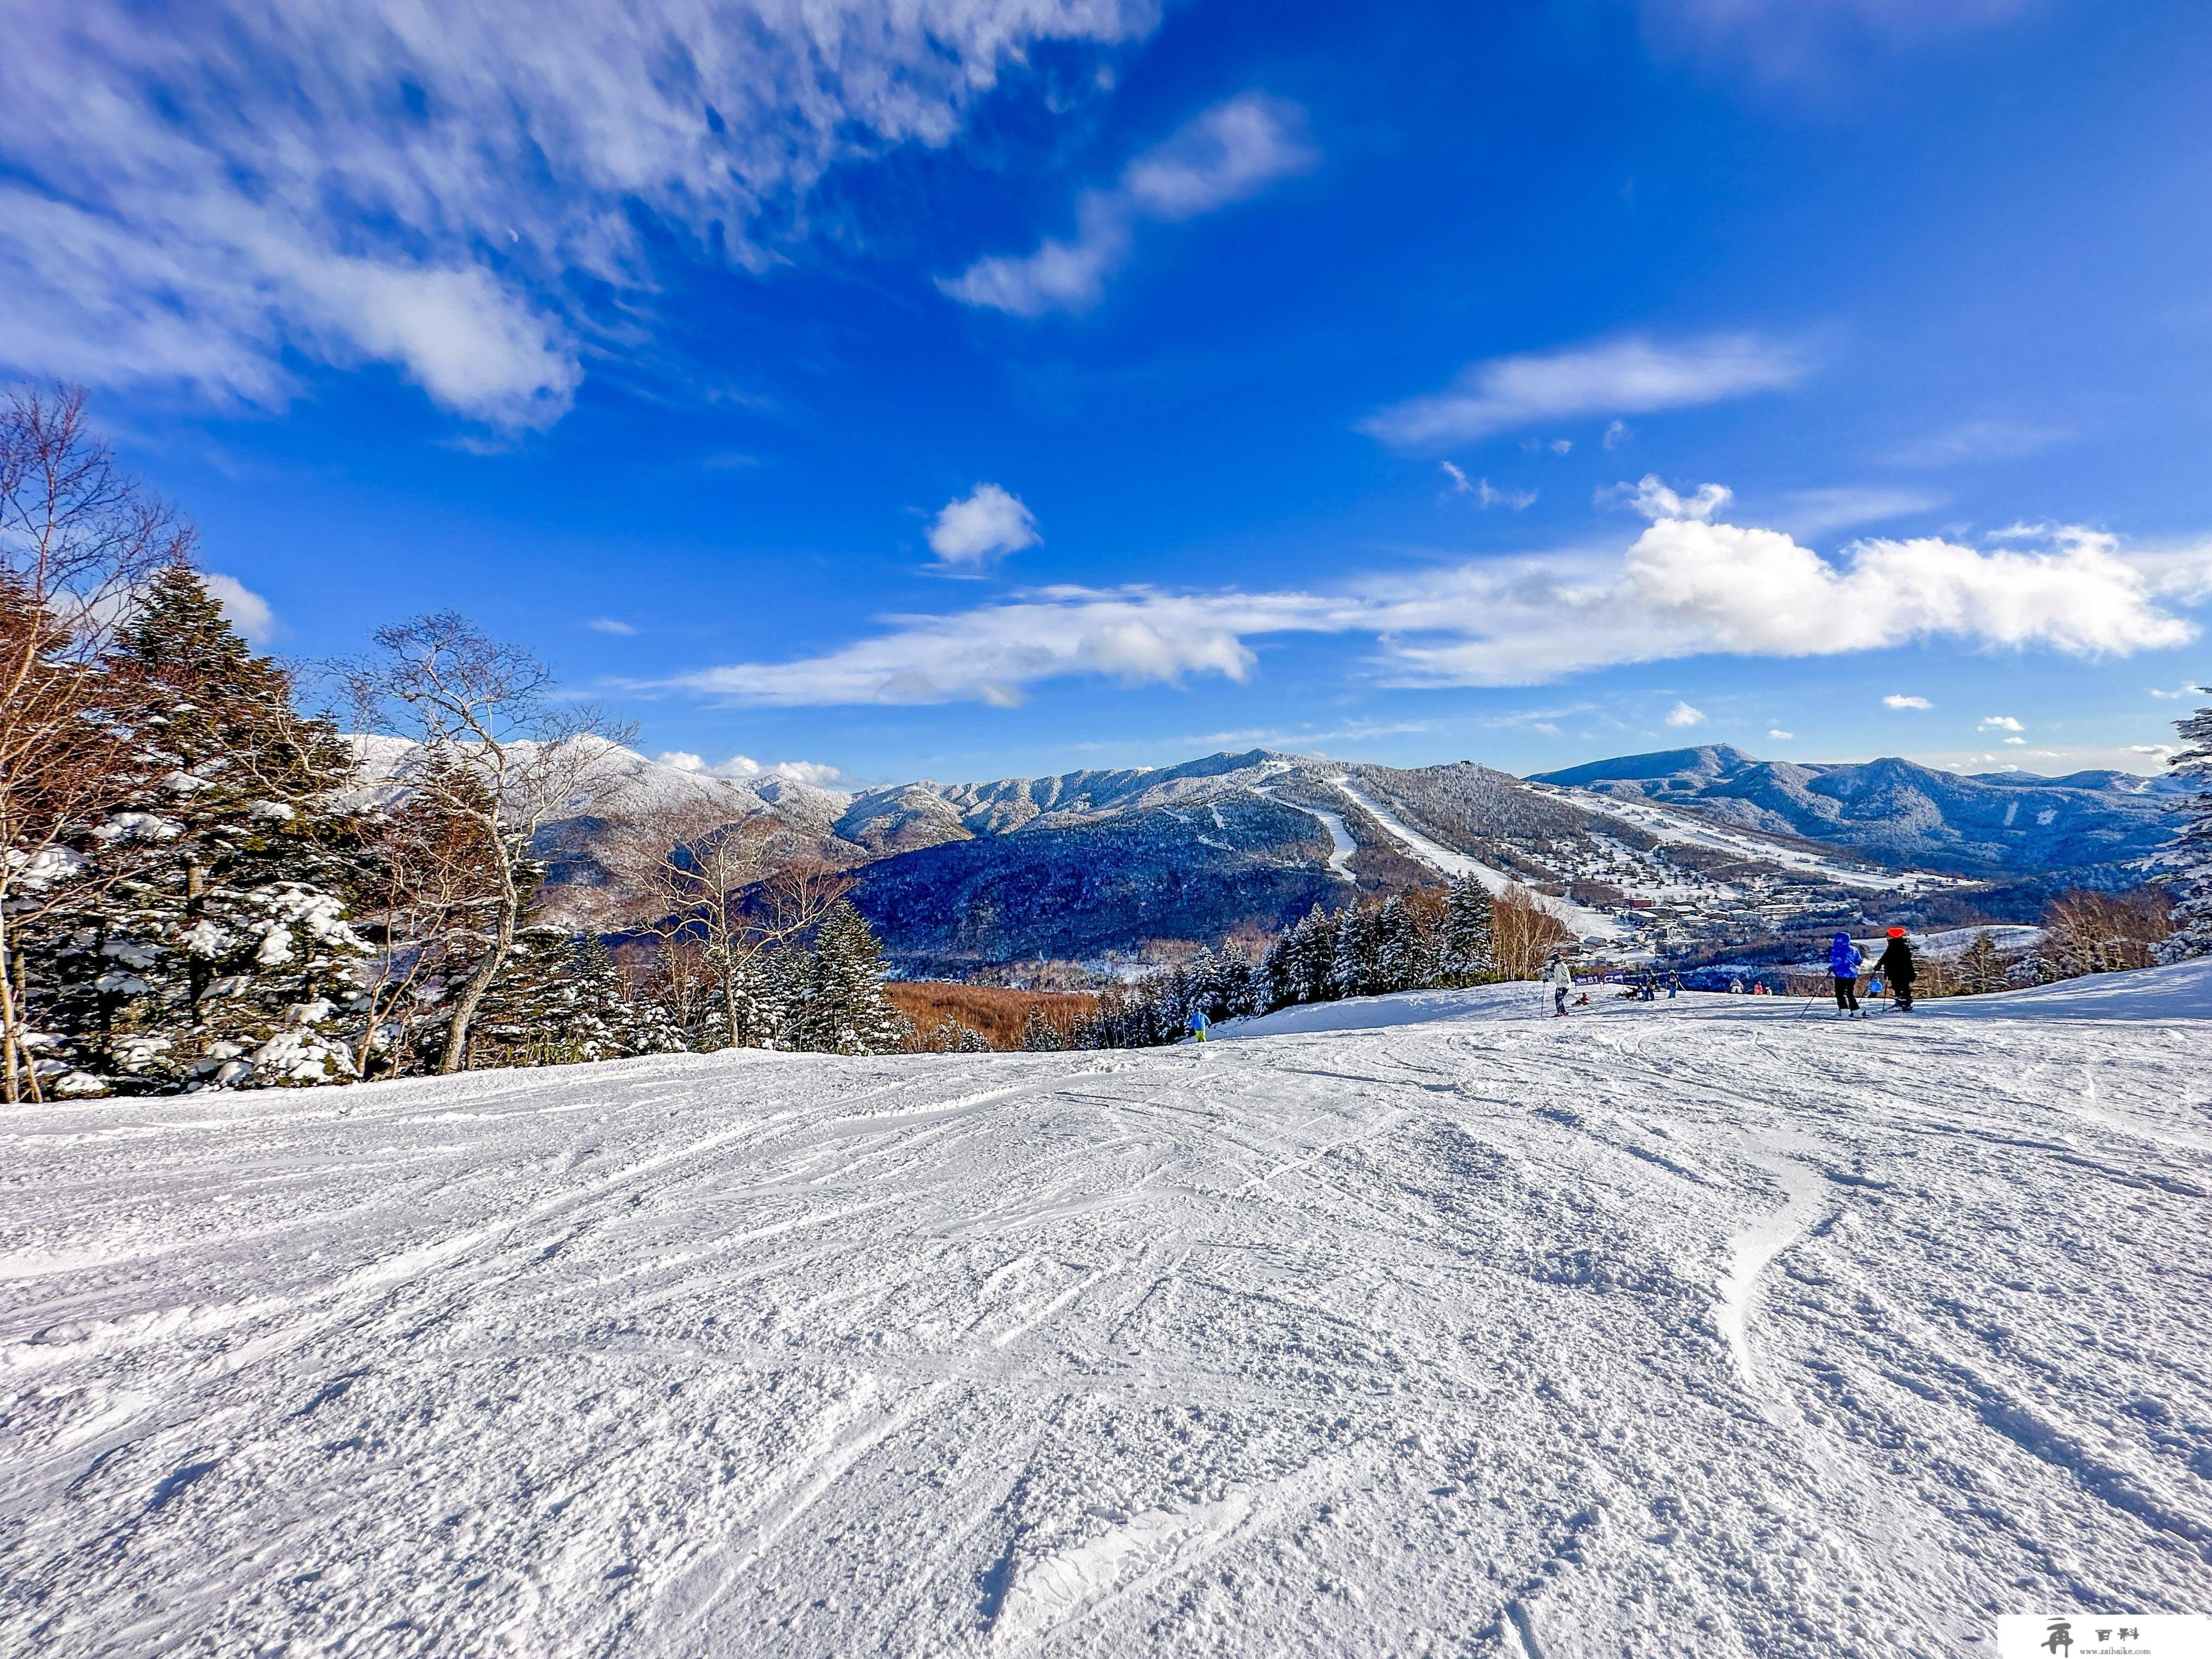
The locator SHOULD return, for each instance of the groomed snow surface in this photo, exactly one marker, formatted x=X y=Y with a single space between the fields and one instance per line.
x=1704 y=1326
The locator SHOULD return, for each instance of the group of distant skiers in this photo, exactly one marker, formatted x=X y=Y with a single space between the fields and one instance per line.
x=1846 y=963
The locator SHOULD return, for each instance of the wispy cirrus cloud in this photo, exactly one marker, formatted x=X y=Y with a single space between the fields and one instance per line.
x=1233 y=151
x=1978 y=441
x=1845 y=507
x=1631 y=376
x=1686 y=587
x=375 y=181
x=1485 y=494
x=1793 y=40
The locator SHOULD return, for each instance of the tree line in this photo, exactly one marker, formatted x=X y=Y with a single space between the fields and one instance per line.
x=205 y=886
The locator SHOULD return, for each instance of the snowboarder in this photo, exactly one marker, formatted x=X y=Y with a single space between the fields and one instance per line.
x=1843 y=962
x=1736 y=987
x=1896 y=966
x=1674 y=986
x=1198 y=1023
x=1561 y=979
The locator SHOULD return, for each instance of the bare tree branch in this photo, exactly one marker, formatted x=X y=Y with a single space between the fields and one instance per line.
x=493 y=752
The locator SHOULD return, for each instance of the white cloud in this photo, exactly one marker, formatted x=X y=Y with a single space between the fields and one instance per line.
x=2178 y=691
x=2161 y=749
x=1561 y=446
x=2000 y=723
x=1616 y=434
x=610 y=625
x=243 y=608
x=743 y=769
x=1629 y=376
x=1776 y=731
x=993 y=653
x=1815 y=512
x=1681 y=714
x=1685 y=587
x=1233 y=151
x=1484 y=493
x=1978 y=441
x=1651 y=497
x=377 y=181
x=1789 y=39
x=1898 y=701
x=975 y=530
x=2015 y=739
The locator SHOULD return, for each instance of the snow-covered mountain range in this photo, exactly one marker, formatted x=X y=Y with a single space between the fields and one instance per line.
x=1705 y=846
x=1896 y=813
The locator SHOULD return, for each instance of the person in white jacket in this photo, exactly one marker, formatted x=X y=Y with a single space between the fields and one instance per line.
x=1561 y=979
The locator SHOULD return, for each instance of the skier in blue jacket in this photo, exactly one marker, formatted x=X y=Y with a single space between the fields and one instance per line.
x=1845 y=960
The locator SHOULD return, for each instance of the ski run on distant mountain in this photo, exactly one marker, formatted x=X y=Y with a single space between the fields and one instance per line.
x=1697 y=851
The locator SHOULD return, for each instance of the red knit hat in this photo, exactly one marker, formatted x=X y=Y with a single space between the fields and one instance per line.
x=1897 y=933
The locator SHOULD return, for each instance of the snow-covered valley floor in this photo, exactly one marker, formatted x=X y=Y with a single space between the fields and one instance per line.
x=1694 y=1327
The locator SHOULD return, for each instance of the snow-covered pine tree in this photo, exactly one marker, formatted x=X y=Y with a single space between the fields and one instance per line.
x=1980 y=968
x=1270 y=981
x=220 y=952
x=1467 y=943
x=528 y=1015
x=1351 y=961
x=2191 y=881
x=561 y=999
x=846 y=1012
x=1400 y=960
x=614 y=1020
x=1040 y=1036
x=1307 y=950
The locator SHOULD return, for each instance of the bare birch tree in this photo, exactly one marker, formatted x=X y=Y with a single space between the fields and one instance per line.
x=79 y=540
x=494 y=751
x=733 y=889
x=1525 y=932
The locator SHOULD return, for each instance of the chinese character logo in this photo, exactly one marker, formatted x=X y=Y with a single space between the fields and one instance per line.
x=2059 y=1640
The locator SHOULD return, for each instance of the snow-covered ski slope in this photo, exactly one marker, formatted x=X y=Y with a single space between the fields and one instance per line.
x=1688 y=1328
x=1687 y=829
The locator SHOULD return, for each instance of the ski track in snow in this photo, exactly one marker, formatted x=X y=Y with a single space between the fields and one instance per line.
x=1406 y=1325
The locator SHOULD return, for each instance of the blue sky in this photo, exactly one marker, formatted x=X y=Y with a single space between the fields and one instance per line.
x=989 y=386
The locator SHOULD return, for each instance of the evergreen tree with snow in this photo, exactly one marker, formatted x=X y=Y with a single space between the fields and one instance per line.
x=1352 y=969
x=1467 y=953
x=1271 y=981
x=2191 y=880
x=1308 y=951
x=214 y=946
x=1980 y=968
x=1401 y=952
x=614 y=1022
x=846 y=1011
x=528 y=1015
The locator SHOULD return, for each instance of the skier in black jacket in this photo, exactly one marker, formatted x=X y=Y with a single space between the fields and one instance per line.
x=1896 y=966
